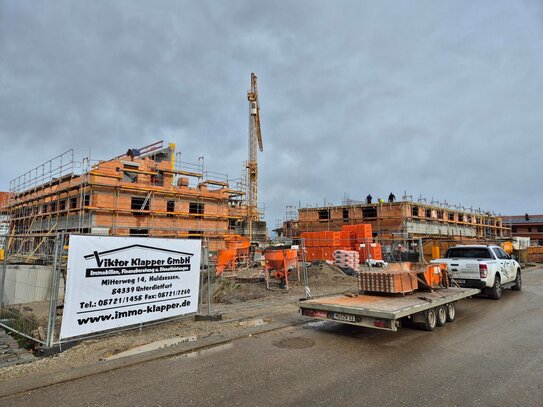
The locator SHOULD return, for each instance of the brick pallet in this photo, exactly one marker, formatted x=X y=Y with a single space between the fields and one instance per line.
x=392 y=282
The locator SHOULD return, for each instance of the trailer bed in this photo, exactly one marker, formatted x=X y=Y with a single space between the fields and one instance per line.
x=380 y=311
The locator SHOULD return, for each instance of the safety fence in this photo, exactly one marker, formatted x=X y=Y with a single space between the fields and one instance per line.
x=33 y=278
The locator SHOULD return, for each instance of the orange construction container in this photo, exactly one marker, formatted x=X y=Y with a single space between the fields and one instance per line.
x=328 y=240
x=237 y=242
x=322 y=239
x=280 y=259
x=375 y=251
x=435 y=275
x=370 y=250
x=327 y=253
x=363 y=232
x=307 y=240
x=226 y=260
x=344 y=238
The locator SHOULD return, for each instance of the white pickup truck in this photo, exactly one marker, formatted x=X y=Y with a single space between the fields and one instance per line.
x=480 y=266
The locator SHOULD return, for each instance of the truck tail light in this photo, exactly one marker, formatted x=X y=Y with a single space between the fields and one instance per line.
x=483 y=270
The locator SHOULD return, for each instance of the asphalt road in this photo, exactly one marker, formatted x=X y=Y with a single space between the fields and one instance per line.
x=490 y=356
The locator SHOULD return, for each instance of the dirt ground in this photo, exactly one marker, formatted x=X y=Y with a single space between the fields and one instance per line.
x=240 y=298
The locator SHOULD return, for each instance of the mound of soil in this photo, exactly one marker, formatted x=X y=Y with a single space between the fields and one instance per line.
x=228 y=291
x=322 y=273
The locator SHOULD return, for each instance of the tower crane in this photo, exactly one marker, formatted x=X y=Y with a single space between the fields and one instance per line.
x=255 y=138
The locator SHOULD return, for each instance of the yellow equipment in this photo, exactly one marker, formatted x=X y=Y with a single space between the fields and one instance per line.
x=255 y=137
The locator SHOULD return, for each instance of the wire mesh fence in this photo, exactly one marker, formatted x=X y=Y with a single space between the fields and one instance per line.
x=33 y=277
x=31 y=285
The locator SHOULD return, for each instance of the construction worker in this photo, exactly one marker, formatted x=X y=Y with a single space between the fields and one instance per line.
x=368 y=198
x=381 y=200
x=391 y=197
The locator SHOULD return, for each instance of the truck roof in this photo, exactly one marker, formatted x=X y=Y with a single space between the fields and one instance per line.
x=480 y=246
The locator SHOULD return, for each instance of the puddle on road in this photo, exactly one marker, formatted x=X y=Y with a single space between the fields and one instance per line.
x=316 y=324
x=297 y=342
x=253 y=322
x=207 y=351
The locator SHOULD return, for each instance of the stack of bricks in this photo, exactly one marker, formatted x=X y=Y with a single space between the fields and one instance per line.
x=346 y=259
x=391 y=282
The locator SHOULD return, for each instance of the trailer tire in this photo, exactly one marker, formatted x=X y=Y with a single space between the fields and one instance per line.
x=430 y=319
x=518 y=282
x=495 y=292
x=451 y=312
x=441 y=315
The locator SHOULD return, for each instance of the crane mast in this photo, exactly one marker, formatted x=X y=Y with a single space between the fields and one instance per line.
x=255 y=139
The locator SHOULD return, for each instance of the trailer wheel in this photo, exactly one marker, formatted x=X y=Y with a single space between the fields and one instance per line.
x=441 y=315
x=430 y=319
x=451 y=312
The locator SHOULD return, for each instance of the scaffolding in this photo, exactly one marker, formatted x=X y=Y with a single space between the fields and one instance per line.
x=145 y=192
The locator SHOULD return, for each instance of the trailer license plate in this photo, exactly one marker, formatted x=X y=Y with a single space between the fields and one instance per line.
x=343 y=317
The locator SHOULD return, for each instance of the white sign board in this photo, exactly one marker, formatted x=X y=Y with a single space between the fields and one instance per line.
x=119 y=281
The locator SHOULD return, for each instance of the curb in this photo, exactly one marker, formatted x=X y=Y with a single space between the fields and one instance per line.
x=16 y=386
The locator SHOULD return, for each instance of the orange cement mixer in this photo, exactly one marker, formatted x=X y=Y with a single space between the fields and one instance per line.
x=279 y=262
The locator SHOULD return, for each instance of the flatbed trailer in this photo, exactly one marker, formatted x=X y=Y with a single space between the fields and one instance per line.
x=427 y=309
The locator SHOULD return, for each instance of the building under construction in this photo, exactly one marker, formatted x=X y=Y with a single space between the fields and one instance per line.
x=392 y=221
x=145 y=192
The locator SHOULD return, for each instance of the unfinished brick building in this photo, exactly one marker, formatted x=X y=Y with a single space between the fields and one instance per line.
x=146 y=192
x=405 y=217
x=396 y=221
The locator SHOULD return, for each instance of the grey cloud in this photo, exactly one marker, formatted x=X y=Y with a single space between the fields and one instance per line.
x=428 y=97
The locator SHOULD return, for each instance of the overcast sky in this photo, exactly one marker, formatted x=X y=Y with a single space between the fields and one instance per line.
x=442 y=99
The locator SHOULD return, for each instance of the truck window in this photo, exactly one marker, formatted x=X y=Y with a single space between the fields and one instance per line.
x=468 y=253
x=500 y=254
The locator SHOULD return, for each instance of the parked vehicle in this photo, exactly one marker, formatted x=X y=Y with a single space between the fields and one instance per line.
x=385 y=312
x=486 y=267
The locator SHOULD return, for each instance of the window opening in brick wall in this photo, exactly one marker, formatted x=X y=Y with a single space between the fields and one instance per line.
x=138 y=203
x=129 y=176
x=324 y=214
x=157 y=179
x=195 y=234
x=139 y=232
x=369 y=212
x=196 y=207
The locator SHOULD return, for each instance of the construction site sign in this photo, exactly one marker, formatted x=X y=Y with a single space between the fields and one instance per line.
x=114 y=282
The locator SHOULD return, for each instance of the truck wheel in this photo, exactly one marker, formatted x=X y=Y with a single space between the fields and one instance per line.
x=441 y=315
x=451 y=312
x=430 y=319
x=495 y=292
x=518 y=282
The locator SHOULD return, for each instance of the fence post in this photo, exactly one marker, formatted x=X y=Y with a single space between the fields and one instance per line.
x=4 y=271
x=307 y=290
x=206 y=262
x=55 y=284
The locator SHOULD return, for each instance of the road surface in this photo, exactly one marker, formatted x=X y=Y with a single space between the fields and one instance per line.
x=490 y=356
